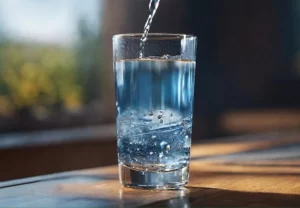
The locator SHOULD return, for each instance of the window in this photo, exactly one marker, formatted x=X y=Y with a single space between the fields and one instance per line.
x=52 y=66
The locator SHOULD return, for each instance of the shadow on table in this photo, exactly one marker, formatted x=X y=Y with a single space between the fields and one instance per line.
x=114 y=195
x=199 y=197
x=94 y=196
x=95 y=190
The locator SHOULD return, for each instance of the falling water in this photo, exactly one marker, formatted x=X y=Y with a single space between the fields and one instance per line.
x=153 y=5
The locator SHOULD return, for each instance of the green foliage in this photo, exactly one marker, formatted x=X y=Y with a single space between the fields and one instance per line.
x=38 y=76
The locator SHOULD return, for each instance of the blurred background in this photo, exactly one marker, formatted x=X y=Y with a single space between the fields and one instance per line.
x=56 y=78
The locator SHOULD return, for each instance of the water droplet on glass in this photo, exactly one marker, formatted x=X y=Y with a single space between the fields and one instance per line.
x=161 y=121
x=159 y=117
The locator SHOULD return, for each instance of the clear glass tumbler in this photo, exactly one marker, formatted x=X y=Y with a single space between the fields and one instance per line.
x=154 y=102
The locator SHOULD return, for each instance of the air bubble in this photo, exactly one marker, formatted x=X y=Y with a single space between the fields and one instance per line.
x=161 y=121
x=169 y=57
x=153 y=137
x=150 y=114
x=163 y=144
x=138 y=149
x=168 y=148
x=130 y=142
x=159 y=117
x=151 y=153
x=186 y=137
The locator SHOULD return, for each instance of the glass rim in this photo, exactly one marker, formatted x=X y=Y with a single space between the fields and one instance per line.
x=153 y=36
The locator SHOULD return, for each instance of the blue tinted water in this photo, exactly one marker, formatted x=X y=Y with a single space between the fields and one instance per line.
x=154 y=113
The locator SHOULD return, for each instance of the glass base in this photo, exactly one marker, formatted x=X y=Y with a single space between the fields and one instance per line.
x=175 y=179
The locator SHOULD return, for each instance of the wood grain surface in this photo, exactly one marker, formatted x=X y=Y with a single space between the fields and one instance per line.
x=249 y=171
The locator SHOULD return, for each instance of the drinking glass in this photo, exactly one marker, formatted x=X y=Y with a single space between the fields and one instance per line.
x=154 y=108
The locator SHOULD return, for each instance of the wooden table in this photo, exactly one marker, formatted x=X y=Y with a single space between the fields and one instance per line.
x=253 y=171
